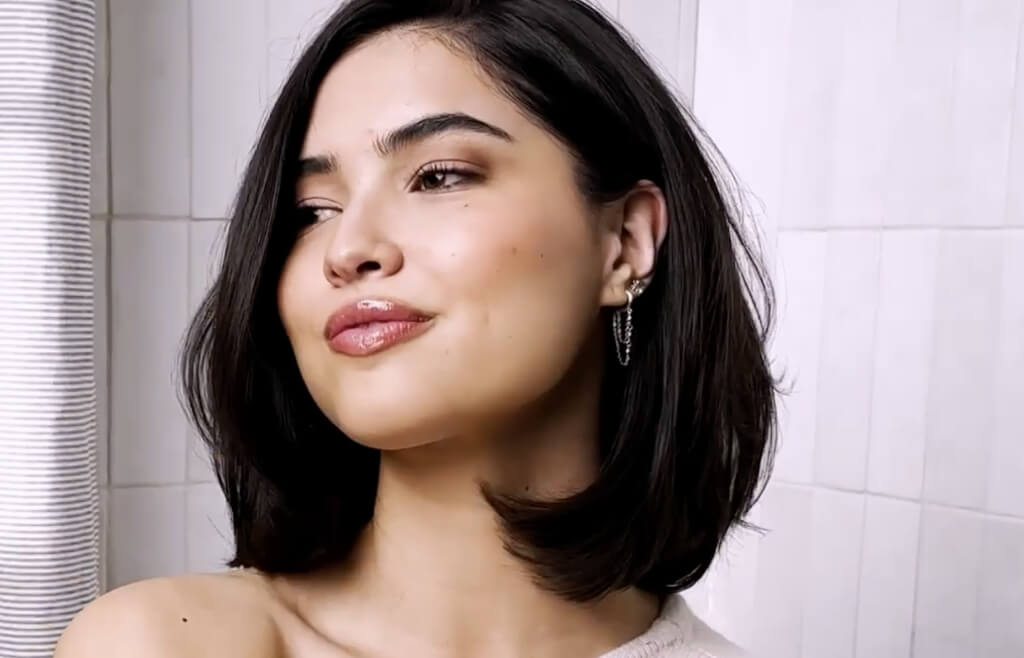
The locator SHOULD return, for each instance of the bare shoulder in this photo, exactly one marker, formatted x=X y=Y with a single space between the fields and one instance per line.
x=223 y=615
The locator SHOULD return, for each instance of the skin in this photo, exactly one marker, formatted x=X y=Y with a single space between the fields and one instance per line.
x=516 y=267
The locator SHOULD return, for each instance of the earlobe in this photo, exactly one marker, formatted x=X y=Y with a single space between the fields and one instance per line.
x=622 y=323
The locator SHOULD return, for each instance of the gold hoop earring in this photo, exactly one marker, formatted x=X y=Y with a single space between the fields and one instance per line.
x=622 y=324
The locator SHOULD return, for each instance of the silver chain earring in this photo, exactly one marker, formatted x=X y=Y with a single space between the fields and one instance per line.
x=622 y=324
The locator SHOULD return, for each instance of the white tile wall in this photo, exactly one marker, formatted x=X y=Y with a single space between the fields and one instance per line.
x=948 y=567
x=983 y=109
x=885 y=602
x=229 y=95
x=961 y=402
x=886 y=141
x=99 y=175
x=1000 y=633
x=781 y=586
x=148 y=317
x=811 y=96
x=655 y=26
x=149 y=107
x=879 y=144
x=208 y=532
x=845 y=368
x=205 y=248
x=800 y=276
x=290 y=25
x=147 y=533
x=833 y=574
x=863 y=125
x=725 y=597
x=1005 y=484
x=902 y=359
x=920 y=185
x=1015 y=171
x=742 y=54
x=205 y=245
x=686 y=52
x=198 y=468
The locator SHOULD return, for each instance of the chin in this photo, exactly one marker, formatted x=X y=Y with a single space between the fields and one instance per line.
x=389 y=437
x=388 y=423
x=386 y=409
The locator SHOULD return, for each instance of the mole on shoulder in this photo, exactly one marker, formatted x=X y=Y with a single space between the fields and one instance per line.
x=184 y=620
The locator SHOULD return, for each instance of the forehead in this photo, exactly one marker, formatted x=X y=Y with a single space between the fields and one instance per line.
x=396 y=77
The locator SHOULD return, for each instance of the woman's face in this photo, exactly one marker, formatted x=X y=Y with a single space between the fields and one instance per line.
x=451 y=272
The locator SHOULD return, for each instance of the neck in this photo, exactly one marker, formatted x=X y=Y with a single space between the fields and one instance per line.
x=435 y=556
x=433 y=563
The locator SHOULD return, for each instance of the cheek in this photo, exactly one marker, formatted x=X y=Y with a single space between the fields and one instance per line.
x=296 y=291
x=541 y=253
x=300 y=284
x=517 y=286
x=529 y=285
x=288 y=289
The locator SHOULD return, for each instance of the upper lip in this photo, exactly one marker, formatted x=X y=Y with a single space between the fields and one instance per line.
x=367 y=310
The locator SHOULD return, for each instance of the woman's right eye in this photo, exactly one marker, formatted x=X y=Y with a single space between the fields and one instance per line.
x=308 y=215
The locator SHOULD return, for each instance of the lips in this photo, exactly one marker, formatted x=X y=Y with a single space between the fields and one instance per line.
x=369 y=326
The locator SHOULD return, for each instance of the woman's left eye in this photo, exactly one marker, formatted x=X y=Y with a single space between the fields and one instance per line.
x=441 y=178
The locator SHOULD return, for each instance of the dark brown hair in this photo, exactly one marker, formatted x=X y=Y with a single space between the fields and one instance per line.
x=687 y=430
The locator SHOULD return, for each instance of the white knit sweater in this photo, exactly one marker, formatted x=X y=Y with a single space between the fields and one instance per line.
x=677 y=633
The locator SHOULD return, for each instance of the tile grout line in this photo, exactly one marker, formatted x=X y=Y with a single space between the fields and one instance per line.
x=108 y=290
x=1013 y=108
x=901 y=228
x=867 y=448
x=693 y=53
x=860 y=570
x=108 y=87
x=190 y=68
x=821 y=290
x=923 y=503
x=675 y=56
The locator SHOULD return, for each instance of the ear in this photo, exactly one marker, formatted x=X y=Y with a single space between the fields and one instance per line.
x=636 y=227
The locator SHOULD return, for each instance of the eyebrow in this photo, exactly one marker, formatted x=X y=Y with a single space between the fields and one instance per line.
x=407 y=135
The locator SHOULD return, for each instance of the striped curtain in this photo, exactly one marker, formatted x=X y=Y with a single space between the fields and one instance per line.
x=49 y=508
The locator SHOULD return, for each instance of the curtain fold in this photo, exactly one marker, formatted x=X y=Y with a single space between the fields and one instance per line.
x=49 y=507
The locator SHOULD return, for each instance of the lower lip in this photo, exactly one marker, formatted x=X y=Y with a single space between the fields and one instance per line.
x=376 y=337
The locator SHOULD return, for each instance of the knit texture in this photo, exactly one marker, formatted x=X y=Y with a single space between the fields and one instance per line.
x=677 y=633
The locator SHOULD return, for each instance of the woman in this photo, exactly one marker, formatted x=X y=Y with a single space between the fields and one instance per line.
x=479 y=374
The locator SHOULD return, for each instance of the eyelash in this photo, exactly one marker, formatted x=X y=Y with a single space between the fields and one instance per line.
x=306 y=213
x=444 y=169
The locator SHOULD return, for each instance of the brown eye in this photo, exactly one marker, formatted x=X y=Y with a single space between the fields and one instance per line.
x=440 y=178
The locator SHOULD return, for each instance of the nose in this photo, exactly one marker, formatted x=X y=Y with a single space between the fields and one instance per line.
x=360 y=253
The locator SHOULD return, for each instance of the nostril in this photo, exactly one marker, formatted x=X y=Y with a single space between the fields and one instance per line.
x=368 y=266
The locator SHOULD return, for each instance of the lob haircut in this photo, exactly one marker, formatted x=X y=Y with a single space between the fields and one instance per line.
x=687 y=430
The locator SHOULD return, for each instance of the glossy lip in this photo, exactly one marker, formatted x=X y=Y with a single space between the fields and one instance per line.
x=369 y=326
